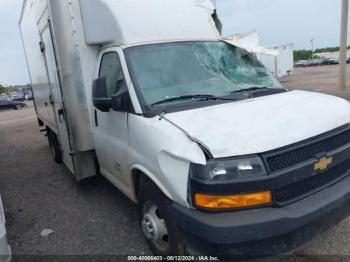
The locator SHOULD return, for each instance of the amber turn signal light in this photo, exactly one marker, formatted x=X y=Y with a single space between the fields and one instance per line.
x=233 y=201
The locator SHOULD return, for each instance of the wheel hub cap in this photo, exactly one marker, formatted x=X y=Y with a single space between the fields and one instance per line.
x=154 y=227
x=149 y=227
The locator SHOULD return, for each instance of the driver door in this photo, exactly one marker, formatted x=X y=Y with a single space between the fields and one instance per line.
x=110 y=128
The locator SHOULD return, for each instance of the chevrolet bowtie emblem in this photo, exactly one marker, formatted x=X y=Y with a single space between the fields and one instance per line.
x=323 y=163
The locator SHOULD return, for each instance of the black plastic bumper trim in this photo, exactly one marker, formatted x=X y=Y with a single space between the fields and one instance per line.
x=266 y=231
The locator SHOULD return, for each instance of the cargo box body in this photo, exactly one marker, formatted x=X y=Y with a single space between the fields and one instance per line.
x=61 y=66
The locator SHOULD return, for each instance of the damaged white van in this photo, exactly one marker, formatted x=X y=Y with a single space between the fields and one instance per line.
x=220 y=158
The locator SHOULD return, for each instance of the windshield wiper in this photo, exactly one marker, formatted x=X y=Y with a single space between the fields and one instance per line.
x=253 y=89
x=192 y=97
x=257 y=88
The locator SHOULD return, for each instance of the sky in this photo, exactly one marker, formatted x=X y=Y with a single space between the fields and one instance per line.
x=278 y=22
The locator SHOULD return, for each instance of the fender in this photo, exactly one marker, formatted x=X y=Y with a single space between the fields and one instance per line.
x=152 y=177
x=202 y=146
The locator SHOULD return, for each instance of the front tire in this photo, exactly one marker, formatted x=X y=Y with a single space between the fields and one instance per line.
x=158 y=224
x=55 y=147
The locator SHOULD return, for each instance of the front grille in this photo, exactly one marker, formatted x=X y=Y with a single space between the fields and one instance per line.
x=279 y=161
x=311 y=185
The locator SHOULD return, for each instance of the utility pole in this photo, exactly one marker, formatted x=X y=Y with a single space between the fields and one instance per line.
x=312 y=48
x=343 y=43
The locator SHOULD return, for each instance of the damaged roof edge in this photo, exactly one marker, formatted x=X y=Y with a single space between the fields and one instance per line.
x=22 y=12
x=180 y=19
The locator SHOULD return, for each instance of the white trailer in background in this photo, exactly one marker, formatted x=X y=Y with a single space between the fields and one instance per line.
x=282 y=64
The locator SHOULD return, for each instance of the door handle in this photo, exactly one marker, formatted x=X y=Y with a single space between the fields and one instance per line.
x=60 y=114
x=52 y=101
x=96 y=119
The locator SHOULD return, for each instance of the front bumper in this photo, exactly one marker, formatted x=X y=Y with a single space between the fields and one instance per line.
x=267 y=231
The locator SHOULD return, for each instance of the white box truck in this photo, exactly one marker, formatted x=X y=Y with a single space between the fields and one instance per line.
x=219 y=157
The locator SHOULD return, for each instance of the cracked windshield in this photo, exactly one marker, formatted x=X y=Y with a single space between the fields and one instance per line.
x=167 y=71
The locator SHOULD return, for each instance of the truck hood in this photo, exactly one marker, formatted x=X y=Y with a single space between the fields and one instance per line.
x=263 y=124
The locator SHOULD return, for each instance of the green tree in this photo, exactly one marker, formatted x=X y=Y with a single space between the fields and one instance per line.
x=3 y=89
x=328 y=49
x=302 y=55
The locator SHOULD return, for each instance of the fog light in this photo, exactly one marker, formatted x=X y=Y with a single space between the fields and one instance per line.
x=233 y=201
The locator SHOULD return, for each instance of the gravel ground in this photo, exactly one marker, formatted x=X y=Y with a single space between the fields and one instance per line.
x=322 y=79
x=93 y=218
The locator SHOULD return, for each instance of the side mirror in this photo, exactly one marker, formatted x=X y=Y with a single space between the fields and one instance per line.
x=119 y=102
x=99 y=95
x=122 y=101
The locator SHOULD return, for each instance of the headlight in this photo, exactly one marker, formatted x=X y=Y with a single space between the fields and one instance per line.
x=229 y=169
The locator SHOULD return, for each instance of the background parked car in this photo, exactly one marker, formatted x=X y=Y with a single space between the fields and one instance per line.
x=28 y=96
x=18 y=97
x=348 y=60
x=302 y=63
x=7 y=104
x=4 y=97
x=316 y=62
x=330 y=61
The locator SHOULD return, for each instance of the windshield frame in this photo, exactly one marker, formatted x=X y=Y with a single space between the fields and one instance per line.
x=149 y=110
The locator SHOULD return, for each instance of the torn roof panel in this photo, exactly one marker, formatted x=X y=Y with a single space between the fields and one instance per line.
x=250 y=42
x=133 y=21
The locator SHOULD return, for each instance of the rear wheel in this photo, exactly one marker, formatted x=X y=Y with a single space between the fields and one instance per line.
x=55 y=147
x=158 y=224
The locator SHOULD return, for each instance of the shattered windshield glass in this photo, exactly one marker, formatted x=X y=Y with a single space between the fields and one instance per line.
x=163 y=72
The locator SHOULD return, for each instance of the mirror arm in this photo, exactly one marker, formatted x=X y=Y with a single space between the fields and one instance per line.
x=103 y=101
x=103 y=104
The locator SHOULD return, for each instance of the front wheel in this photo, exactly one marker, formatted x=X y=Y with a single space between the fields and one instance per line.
x=18 y=107
x=158 y=224
x=55 y=147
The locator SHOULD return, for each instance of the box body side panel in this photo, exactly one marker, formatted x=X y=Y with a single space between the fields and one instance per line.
x=75 y=70
x=36 y=65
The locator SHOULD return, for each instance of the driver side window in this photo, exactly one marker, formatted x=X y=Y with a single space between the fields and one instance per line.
x=111 y=69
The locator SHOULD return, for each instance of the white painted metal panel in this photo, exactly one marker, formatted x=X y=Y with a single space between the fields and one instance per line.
x=63 y=66
x=283 y=63
x=36 y=64
x=263 y=124
x=134 y=21
x=285 y=60
x=269 y=61
x=66 y=32
x=62 y=130
x=164 y=153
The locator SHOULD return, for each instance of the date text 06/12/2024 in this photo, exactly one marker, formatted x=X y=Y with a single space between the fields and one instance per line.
x=172 y=258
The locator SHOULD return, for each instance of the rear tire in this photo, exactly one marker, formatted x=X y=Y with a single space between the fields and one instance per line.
x=157 y=220
x=55 y=147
